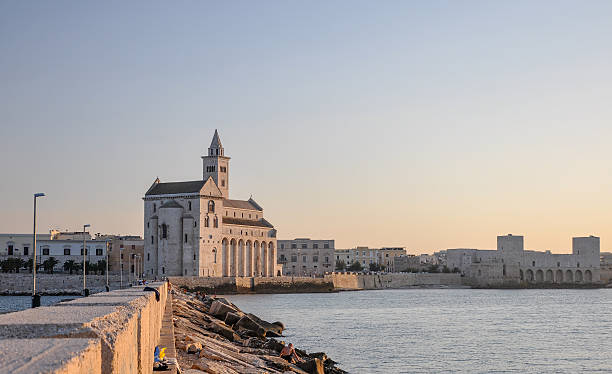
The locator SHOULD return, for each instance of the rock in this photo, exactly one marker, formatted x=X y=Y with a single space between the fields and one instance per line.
x=193 y=371
x=274 y=345
x=259 y=326
x=320 y=355
x=254 y=343
x=194 y=347
x=231 y=318
x=280 y=324
x=223 y=330
x=219 y=308
x=312 y=366
x=213 y=368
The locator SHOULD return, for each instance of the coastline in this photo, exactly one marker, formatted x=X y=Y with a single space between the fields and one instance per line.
x=214 y=335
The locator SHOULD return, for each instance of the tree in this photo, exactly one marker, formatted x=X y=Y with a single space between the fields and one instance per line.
x=377 y=267
x=445 y=269
x=433 y=269
x=355 y=266
x=49 y=264
x=29 y=264
x=71 y=266
x=11 y=264
x=101 y=267
x=340 y=265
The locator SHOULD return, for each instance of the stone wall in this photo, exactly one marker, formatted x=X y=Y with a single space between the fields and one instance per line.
x=110 y=332
x=50 y=284
x=329 y=283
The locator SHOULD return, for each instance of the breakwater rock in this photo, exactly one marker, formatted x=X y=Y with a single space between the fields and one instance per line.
x=212 y=335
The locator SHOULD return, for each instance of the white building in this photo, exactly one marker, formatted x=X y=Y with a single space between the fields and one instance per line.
x=306 y=257
x=193 y=228
x=511 y=264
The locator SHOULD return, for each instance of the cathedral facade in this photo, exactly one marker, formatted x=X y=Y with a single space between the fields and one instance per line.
x=193 y=228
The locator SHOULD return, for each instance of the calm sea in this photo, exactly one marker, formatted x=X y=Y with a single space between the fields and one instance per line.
x=448 y=330
x=15 y=303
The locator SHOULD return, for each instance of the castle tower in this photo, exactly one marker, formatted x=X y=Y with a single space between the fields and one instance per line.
x=216 y=165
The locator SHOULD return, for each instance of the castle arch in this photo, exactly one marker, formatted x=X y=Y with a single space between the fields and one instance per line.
x=549 y=276
x=578 y=276
x=233 y=257
x=225 y=257
x=569 y=276
x=539 y=276
x=588 y=276
x=529 y=275
x=559 y=276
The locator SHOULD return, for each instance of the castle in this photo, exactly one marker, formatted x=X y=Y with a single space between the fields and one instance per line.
x=193 y=228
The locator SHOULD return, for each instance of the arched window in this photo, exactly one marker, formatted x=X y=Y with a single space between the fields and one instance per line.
x=189 y=204
x=211 y=206
x=164 y=231
x=206 y=221
x=216 y=222
x=214 y=255
x=154 y=207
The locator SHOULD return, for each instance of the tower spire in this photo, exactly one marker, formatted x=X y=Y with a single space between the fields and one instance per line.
x=215 y=149
x=216 y=165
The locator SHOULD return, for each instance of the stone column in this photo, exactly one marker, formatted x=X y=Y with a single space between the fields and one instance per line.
x=241 y=259
x=264 y=259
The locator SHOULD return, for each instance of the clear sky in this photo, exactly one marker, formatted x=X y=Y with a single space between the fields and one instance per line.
x=429 y=125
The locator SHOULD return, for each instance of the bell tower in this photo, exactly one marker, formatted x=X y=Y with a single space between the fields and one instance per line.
x=216 y=165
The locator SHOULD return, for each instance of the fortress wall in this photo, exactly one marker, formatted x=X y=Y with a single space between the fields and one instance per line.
x=110 y=332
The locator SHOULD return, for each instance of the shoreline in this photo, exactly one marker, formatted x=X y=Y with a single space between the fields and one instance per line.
x=213 y=335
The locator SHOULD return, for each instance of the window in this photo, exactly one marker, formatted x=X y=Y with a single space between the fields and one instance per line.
x=151 y=239
x=211 y=206
x=282 y=246
x=206 y=221
x=163 y=270
x=315 y=258
x=86 y=252
x=216 y=222
x=195 y=223
x=215 y=255
x=303 y=258
x=189 y=205
x=326 y=259
x=293 y=258
x=66 y=251
x=578 y=265
x=164 y=231
x=185 y=238
x=194 y=257
x=293 y=246
x=148 y=257
x=532 y=263
x=154 y=207
x=46 y=251
x=304 y=246
x=147 y=224
x=315 y=246
x=222 y=182
x=558 y=264
x=326 y=245
x=234 y=214
x=133 y=246
x=242 y=214
x=98 y=251
x=26 y=250
x=10 y=250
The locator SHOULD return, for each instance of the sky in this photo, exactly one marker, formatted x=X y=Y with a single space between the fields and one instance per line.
x=422 y=124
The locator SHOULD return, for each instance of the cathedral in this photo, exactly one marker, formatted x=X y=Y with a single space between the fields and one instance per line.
x=193 y=228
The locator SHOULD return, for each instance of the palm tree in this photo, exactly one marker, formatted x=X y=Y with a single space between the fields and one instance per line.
x=70 y=265
x=49 y=264
x=101 y=266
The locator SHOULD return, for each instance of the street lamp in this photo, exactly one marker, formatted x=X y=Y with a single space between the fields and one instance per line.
x=85 y=290
x=35 y=297
x=107 y=285
x=137 y=268
x=120 y=268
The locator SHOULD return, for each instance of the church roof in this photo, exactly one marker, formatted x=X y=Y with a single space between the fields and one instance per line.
x=246 y=222
x=241 y=204
x=216 y=141
x=175 y=188
x=171 y=204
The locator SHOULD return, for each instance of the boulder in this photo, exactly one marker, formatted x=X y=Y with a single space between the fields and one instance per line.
x=220 y=309
x=312 y=366
x=259 y=326
x=320 y=355
x=274 y=345
x=223 y=330
x=193 y=347
x=231 y=318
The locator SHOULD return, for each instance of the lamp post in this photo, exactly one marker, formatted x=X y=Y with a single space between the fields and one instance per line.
x=35 y=297
x=129 y=268
x=85 y=290
x=120 y=268
x=107 y=285
x=137 y=268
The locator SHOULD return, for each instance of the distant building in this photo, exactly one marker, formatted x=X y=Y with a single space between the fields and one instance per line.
x=19 y=245
x=123 y=253
x=367 y=256
x=306 y=257
x=407 y=263
x=510 y=264
x=606 y=267
x=193 y=228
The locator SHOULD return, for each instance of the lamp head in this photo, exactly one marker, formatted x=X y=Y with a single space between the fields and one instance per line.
x=40 y=194
x=86 y=225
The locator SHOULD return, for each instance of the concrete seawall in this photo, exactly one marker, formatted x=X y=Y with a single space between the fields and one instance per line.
x=330 y=283
x=111 y=332
x=21 y=283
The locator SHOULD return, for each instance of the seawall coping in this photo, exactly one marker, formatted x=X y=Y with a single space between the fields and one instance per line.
x=26 y=356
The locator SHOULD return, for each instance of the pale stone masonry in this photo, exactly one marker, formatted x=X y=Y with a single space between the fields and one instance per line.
x=306 y=257
x=194 y=229
x=511 y=264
